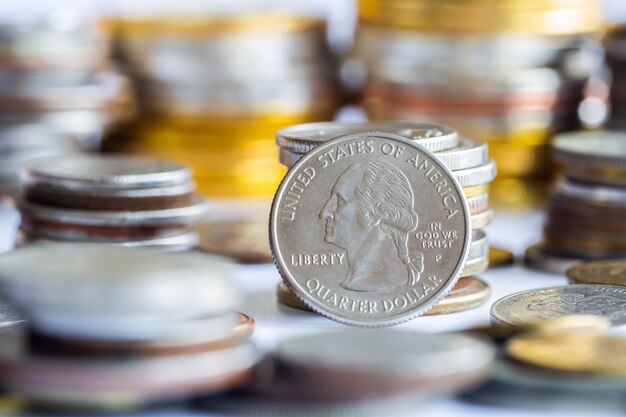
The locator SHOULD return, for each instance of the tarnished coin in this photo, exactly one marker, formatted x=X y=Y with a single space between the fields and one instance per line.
x=546 y=303
x=468 y=293
x=573 y=352
x=286 y=297
x=609 y=272
x=370 y=229
x=242 y=240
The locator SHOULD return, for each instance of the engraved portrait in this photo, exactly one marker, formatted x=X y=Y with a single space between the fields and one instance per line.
x=370 y=213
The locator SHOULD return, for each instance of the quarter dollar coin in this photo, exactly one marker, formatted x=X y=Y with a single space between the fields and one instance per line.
x=370 y=229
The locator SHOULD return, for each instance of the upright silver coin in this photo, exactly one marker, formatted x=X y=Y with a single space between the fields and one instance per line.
x=546 y=303
x=370 y=229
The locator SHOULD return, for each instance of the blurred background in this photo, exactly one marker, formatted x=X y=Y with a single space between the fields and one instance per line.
x=208 y=83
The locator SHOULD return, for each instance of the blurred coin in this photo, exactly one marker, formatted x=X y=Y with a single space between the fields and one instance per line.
x=348 y=364
x=481 y=174
x=114 y=293
x=195 y=335
x=467 y=294
x=243 y=240
x=475 y=266
x=480 y=220
x=104 y=172
x=121 y=384
x=324 y=192
x=536 y=305
x=538 y=257
x=9 y=317
x=500 y=257
x=610 y=272
x=286 y=297
x=572 y=352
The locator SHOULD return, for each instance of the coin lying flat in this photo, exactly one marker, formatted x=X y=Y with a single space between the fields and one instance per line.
x=387 y=229
x=572 y=352
x=538 y=257
x=115 y=293
x=609 y=272
x=546 y=303
x=242 y=240
x=349 y=364
x=467 y=294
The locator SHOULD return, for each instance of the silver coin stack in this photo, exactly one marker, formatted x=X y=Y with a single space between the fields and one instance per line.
x=55 y=79
x=467 y=159
x=111 y=329
x=119 y=200
x=586 y=216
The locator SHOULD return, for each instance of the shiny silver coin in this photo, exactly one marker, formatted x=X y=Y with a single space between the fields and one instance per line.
x=481 y=174
x=468 y=154
x=304 y=137
x=87 y=172
x=475 y=266
x=546 y=303
x=348 y=364
x=479 y=248
x=387 y=226
x=126 y=291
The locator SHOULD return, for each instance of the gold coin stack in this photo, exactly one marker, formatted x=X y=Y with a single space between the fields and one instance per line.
x=586 y=216
x=509 y=72
x=57 y=91
x=467 y=159
x=213 y=89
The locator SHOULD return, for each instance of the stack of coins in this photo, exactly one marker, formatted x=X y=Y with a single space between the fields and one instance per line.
x=57 y=91
x=587 y=207
x=113 y=329
x=568 y=363
x=511 y=73
x=345 y=372
x=120 y=200
x=615 y=47
x=213 y=89
x=466 y=159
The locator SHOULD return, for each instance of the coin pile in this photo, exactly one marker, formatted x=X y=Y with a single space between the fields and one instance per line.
x=615 y=47
x=112 y=199
x=213 y=89
x=466 y=159
x=55 y=71
x=111 y=329
x=587 y=206
x=390 y=370
x=572 y=362
x=511 y=73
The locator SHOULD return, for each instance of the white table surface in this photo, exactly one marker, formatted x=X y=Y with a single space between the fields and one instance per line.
x=275 y=322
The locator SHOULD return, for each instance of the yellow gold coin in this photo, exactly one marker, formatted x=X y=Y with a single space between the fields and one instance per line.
x=500 y=257
x=609 y=272
x=287 y=297
x=467 y=294
x=476 y=190
x=578 y=351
